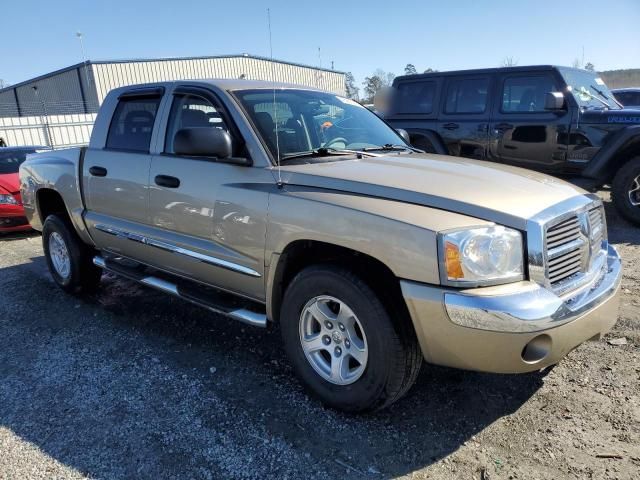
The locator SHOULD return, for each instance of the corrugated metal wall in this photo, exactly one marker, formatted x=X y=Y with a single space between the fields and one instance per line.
x=57 y=131
x=113 y=75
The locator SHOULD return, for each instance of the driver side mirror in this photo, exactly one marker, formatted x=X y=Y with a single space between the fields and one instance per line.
x=404 y=134
x=206 y=142
x=553 y=101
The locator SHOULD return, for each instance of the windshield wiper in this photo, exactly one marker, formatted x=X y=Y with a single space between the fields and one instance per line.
x=319 y=152
x=601 y=93
x=389 y=147
x=582 y=90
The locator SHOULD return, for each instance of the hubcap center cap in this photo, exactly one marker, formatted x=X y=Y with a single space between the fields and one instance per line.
x=337 y=337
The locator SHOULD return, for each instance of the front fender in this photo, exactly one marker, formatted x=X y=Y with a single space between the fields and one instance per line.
x=600 y=167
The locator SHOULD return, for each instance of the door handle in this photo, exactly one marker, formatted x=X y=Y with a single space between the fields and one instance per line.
x=98 y=171
x=451 y=126
x=167 y=181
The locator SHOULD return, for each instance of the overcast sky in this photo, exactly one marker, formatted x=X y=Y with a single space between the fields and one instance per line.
x=358 y=36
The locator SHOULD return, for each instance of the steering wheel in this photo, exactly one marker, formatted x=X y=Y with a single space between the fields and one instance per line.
x=335 y=140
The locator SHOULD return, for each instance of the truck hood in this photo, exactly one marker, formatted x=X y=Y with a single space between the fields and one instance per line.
x=9 y=182
x=497 y=193
x=624 y=116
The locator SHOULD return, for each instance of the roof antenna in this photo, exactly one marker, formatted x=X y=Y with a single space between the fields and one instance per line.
x=275 y=111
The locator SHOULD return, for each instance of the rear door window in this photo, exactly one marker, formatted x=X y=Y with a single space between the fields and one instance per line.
x=467 y=95
x=526 y=94
x=414 y=97
x=132 y=124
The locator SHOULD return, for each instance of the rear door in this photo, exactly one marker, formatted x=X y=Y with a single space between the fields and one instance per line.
x=464 y=115
x=522 y=131
x=117 y=176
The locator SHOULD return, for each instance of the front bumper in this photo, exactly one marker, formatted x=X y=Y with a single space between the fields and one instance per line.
x=511 y=328
x=13 y=219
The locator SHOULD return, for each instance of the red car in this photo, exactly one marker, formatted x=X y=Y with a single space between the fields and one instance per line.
x=12 y=217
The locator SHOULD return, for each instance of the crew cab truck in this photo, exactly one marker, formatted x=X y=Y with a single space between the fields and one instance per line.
x=275 y=204
x=559 y=120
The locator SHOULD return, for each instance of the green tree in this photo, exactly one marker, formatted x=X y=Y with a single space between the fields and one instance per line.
x=385 y=77
x=590 y=66
x=430 y=70
x=371 y=86
x=350 y=86
x=410 y=69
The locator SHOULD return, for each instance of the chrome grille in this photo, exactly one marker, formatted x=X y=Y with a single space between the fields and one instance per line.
x=565 y=248
x=571 y=246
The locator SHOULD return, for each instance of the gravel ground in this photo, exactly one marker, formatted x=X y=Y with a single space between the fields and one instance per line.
x=130 y=383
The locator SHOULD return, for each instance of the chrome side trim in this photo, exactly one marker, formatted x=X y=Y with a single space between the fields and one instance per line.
x=160 y=284
x=535 y=309
x=217 y=262
x=247 y=316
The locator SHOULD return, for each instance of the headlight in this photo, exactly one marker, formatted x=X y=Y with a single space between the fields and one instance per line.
x=481 y=256
x=8 y=200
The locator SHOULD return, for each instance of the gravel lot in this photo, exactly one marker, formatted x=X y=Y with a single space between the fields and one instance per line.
x=130 y=383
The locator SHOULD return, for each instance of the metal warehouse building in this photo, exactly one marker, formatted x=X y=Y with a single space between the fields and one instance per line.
x=58 y=109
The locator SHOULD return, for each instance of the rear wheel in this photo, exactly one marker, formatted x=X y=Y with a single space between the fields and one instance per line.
x=70 y=261
x=626 y=190
x=342 y=341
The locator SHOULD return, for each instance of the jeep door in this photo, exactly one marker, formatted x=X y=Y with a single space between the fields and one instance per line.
x=464 y=115
x=522 y=131
x=207 y=222
x=116 y=170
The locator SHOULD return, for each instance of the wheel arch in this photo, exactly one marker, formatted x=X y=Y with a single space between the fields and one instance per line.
x=300 y=254
x=432 y=137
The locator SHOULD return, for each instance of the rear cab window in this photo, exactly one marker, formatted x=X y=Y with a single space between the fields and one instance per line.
x=414 y=97
x=132 y=124
x=467 y=95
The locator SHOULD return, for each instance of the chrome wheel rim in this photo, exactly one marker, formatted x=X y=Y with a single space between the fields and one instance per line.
x=634 y=192
x=59 y=254
x=333 y=340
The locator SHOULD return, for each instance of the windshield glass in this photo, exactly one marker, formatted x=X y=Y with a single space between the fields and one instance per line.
x=10 y=161
x=589 y=89
x=307 y=120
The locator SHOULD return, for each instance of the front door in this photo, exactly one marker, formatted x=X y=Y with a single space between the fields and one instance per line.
x=117 y=176
x=464 y=116
x=206 y=224
x=522 y=131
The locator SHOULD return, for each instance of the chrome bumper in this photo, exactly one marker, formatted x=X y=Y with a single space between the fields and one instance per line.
x=535 y=308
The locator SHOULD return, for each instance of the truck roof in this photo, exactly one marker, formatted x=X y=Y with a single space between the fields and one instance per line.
x=477 y=71
x=222 y=83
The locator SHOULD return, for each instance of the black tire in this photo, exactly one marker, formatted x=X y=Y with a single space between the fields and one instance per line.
x=622 y=184
x=394 y=356
x=83 y=275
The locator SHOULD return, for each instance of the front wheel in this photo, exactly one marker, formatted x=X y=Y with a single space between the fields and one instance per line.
x=626 y=190
x=343 y=343
x=69 y=260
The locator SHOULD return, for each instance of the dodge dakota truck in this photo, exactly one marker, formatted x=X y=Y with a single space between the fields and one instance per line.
x=273 y=204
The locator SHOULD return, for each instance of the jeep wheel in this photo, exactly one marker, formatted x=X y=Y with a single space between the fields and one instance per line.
x=69 y=260
x=343 y=343
x=626 y=190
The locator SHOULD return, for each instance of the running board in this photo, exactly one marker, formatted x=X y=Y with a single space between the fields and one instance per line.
x=212 y=299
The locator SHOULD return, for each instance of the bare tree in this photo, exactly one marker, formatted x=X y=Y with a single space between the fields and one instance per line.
x=4 y=84
x=576 y=63
x=386 y=77
x=372 y=85
x=509 y=62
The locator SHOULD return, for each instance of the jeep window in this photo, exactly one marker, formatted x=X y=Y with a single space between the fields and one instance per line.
x=306 y=120
x=628 y=98
x=132 y=124
x=588 y=89
x=414 y=97
x=190 y=111
x=467 y=95
x=526 y=94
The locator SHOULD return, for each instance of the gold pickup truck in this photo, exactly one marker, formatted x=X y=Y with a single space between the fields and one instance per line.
x=279 y=205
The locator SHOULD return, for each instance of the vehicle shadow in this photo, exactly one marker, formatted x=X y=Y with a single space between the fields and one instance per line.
x=13 y=236
x=131 y=383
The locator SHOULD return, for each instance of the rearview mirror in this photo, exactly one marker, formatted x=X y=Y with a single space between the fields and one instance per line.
x=553 y=101
x=203 y=142
x=404 y=134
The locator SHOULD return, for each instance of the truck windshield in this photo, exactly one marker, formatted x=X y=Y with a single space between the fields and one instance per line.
x=589 y=89
x=293 y=121
x=10 y=161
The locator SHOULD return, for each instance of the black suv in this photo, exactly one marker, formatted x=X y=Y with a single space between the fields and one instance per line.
x=559 y=120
